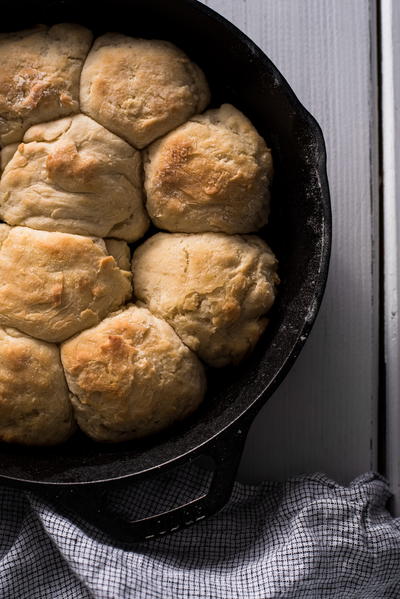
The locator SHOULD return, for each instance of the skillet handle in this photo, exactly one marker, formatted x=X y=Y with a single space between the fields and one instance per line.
x=91 y=505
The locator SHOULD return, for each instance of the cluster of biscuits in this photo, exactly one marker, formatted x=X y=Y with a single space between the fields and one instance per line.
x=98 y=141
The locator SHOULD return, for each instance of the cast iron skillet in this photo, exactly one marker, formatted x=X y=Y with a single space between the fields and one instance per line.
x=77 y=474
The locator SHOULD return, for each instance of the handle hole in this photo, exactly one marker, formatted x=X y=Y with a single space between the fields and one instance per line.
x=169 y=490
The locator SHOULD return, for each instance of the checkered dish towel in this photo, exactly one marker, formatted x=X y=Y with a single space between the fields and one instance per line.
x=304 y=538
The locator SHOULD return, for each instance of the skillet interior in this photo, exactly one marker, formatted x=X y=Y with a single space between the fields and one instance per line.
x=299 y=229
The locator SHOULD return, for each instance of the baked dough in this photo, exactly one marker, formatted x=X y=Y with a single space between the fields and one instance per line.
x=120 y=251
x=131 y=376
x=53 y=285
x=39 y=76
x=74 y=176
x=211 y=174
x=6 y=154
x=140 y=89
x=214 y=289
x=34 y=398
x=72 y=123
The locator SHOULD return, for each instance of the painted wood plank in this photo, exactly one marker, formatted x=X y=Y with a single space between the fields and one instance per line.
x=390 y=74
x=324 y=416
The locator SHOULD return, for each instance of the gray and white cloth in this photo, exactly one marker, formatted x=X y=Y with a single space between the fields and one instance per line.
x=306 y=538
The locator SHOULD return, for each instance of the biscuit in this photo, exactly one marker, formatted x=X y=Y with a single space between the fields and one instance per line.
x=34 y=397
x=53 y=285
x=211 y=174
x=140 y=89
x=39 y=77
x=74 y=176
x=131 y=376
x=213 y=289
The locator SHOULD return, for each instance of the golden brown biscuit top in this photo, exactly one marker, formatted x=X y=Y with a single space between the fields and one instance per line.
x=131 y=375
x=53 y=285
x=39 y=76
x=211 y=174
x=34 y=397
x=74 y=176
x=214 y=289
x=140 y=89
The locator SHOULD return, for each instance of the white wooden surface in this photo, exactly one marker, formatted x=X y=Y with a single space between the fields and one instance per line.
x=390 y=69
x=324 y=416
